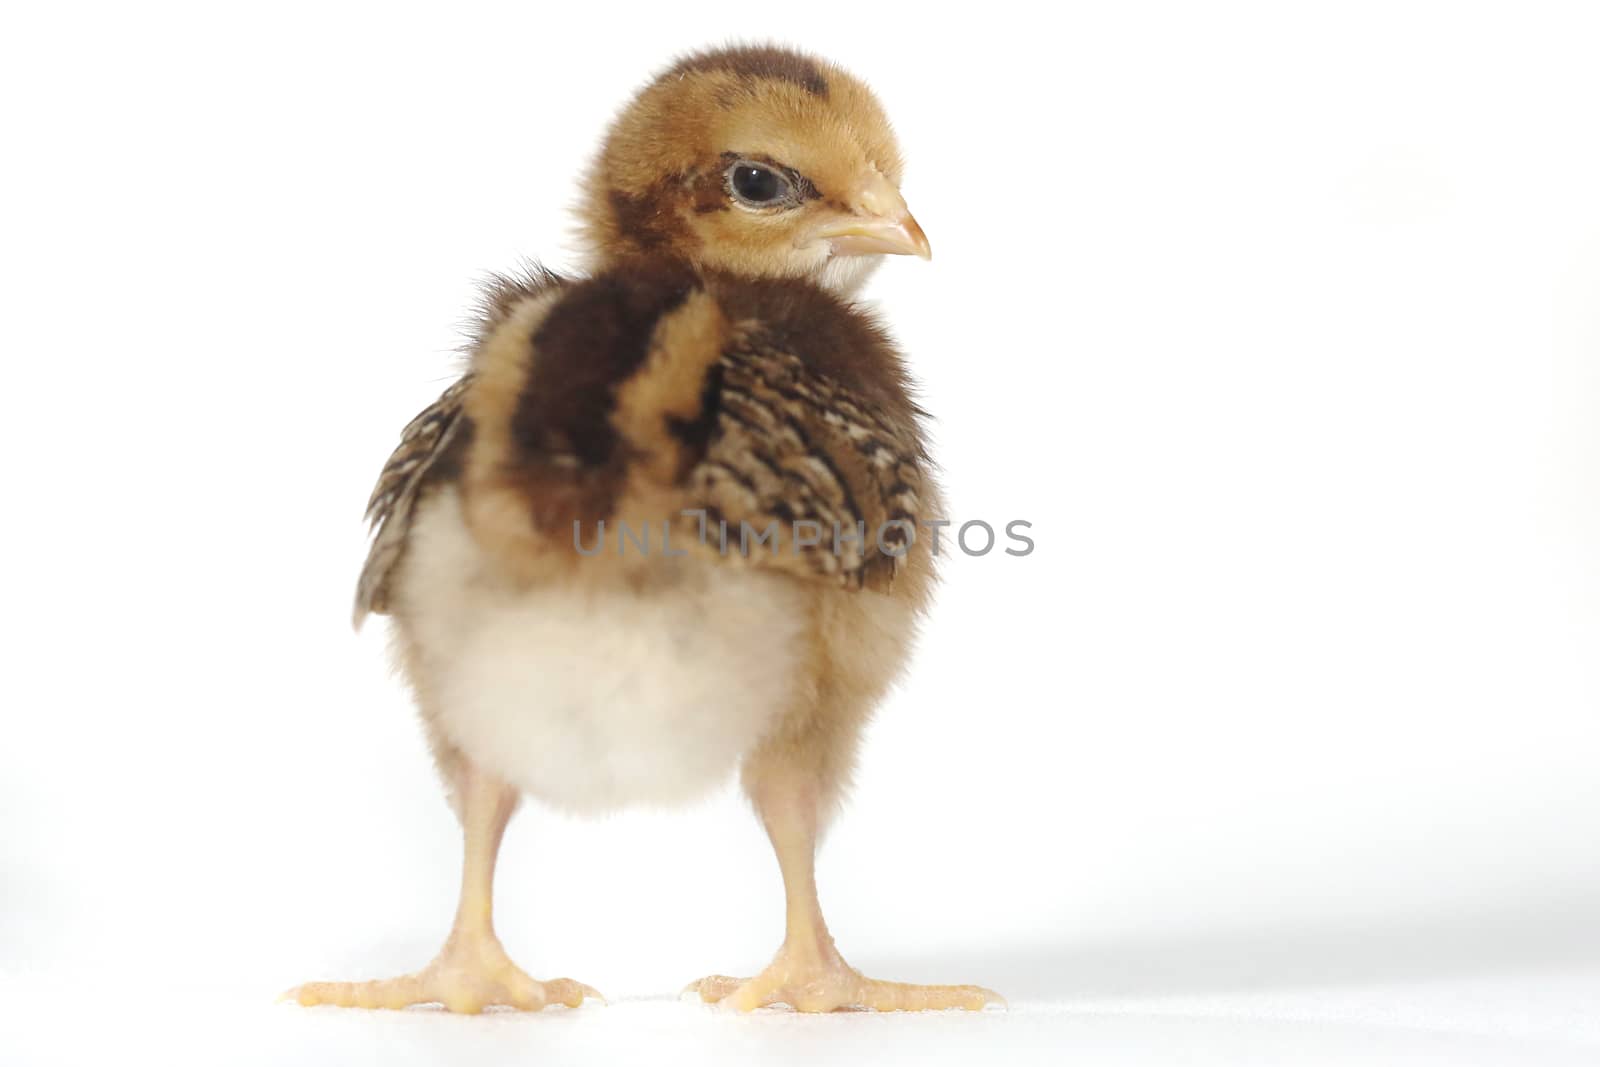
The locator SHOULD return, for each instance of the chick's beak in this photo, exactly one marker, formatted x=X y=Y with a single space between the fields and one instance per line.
x=878 y=224
x=855 y=235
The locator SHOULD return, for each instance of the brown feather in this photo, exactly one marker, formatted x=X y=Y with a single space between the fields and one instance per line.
x=647 y=391
x=427 y=438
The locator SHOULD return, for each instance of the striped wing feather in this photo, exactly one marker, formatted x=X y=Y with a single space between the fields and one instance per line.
x=394 y=498
x=791 y=446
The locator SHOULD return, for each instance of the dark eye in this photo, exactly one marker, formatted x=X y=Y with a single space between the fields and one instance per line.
x=755 y=184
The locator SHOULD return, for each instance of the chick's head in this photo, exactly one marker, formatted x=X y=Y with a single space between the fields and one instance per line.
x=759 y=161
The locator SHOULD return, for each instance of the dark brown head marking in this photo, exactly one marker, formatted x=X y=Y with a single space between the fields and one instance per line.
x=760 y=61
x=648 y=219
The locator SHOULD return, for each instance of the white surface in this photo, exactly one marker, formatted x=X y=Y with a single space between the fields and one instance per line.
x=1543 y=1018
x=1279 y=323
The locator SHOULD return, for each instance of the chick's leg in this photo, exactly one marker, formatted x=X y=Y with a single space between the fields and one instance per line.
x=472 y=971
x=809 y=974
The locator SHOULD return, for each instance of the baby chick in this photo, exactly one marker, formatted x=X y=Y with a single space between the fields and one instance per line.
x=564 y=538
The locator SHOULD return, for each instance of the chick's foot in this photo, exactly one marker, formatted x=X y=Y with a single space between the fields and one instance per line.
x=468 y=975
x=814 y=982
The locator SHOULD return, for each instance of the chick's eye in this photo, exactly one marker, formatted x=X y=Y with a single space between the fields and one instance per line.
x=756 y=184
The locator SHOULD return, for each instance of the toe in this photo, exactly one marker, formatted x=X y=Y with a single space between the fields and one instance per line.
x=462 y=1001
x=714 y=987
x=523 y=993
x=899 y=996
x=566 y=991
x=394 y=993
x=758 y=992
x=306 y=995
x=816 y=1000
x=591 y=993
x=338 y=994
x=370 y=994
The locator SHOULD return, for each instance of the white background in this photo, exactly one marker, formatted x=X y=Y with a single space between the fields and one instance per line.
x=1280 y=323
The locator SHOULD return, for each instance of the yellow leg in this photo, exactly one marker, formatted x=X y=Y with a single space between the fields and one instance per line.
x=809 y=974
x=472 y=971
